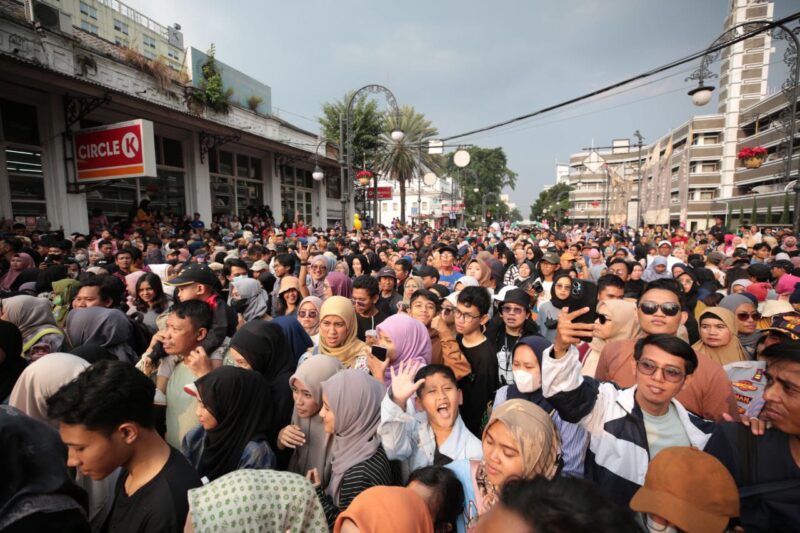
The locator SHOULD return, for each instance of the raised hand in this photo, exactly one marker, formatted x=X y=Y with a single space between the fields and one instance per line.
x=403 y=384
x=198 y=362
x=569 y=332
x=302 y=252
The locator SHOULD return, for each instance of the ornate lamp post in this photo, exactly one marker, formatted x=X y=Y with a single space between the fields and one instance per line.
x=701 y=94
x=397 y=135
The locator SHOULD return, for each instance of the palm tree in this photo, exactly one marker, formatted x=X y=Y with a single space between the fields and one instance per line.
x=405 y=159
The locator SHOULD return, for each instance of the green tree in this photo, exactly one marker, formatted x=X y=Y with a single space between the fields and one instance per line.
x=785 y=218
x=555 y=200
x=213 y=91
x=487 y=172
x=408 y=158
x=368 y=124
x=515 y=215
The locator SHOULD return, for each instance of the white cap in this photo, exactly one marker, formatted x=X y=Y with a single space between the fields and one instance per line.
x=453 y=297
x=544 y=243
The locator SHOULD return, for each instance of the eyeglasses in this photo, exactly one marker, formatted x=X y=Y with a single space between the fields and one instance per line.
x=512 y=310
x=466 y=317
x=318 y=267
x=755 y=315
x=669 y=309
x=356 y=301
x=670 y=373
x=602 y=319
x=309 y=314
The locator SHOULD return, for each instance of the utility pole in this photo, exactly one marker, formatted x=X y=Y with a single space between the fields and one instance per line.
x=639 y=221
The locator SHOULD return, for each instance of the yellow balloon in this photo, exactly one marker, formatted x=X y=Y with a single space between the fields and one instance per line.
x=356 y=222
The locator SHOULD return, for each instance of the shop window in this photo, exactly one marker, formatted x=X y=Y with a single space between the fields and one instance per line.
x=236 y=183
x=19 y=123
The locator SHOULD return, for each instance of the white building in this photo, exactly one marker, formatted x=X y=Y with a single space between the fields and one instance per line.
x=430 y=203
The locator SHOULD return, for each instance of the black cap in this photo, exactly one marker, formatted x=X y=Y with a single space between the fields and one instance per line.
x=519 y=297
x=195 y=273
x=427 y=270
x=451 y=249
x=387 y=272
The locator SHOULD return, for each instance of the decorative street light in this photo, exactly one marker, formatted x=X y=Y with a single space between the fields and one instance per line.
x=318 y=174
x=396 y=135
x=701 y=94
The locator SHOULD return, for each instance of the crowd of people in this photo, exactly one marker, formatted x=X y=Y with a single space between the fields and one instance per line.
x=247 y=376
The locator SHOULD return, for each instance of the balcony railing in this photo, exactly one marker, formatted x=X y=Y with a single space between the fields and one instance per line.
x=137 y=17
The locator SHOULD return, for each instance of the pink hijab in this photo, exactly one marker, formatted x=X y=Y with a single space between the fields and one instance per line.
x=130 y=282
x=340 y=284
x=11 y=276
x=411 y=340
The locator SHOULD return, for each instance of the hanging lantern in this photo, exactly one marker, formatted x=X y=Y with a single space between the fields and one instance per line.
x=363 y=177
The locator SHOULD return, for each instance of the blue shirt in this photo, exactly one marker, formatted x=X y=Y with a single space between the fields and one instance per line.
x=450 y=281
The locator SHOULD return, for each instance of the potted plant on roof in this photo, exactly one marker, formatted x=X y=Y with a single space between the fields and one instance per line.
x=752 y=157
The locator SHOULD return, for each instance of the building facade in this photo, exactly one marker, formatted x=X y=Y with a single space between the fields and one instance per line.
x=53 y=83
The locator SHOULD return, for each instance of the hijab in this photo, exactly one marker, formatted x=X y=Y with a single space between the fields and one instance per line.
x=624 y=325
x=264 y=500
x=352 y=347
x=299 y=341
x=691 y=296
x=537 y=439
x=42 y=379
x=29 y=314
x=162 y=270
x=486 y=273
x=34 y=471
x=557 y=302
x=341 y=284
x=109 y=328
x=732 y=302
x=355 y=400
x=538 y=345
x=238 y=399
x=383 y=509
x=317 y=303
x=650 y=273
x=317 y=288
x=13 y=364
x=314 y=453
x=130 y=282
x=45 y=279
x=411 y=340
x=7 y=281
x=251 y=291
x=731 y=352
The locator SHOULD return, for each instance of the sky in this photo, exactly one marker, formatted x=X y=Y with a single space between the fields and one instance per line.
x=467 y=64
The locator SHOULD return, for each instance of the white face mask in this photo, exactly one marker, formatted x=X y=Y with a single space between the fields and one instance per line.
x=654 y=527
x=525 y=382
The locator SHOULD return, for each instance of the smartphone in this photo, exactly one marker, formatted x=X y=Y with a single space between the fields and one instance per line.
x=537 y=286
x=379 y=352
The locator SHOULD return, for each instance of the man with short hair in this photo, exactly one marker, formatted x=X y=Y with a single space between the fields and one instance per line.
x=761 y=251
x=122 y=261
x=98 y=291
x=660 y=310
x=366 y=292
x=626 y=427
x=447 y=273
x=402 y=269
x=610 y=287
x=106 y=420
x=429 y=275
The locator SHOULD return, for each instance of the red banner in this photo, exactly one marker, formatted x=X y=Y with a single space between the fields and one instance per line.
x=122 y=150
x=384 y=193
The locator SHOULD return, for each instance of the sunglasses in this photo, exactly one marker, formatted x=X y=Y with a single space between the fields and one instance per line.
x=509 y=310
x=309 y=314
x=670 y=373
x=755 y=315
x=650 y=308
x=602 y=319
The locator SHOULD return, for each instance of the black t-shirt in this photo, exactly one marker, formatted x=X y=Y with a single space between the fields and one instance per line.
x=160 y=505
x=370 y=322
x=772 y=462
x=480 y=385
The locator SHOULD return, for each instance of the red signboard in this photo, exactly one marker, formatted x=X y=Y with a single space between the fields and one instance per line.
x=115 y=151
x=384 y=193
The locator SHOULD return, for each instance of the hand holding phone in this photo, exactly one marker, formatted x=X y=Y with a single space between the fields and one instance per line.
x=379 y=352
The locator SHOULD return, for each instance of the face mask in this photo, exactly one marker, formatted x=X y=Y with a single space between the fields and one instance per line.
x=239 y=305
x=525 y=382
x=653 y=527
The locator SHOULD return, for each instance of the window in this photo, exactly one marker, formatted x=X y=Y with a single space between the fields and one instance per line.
x=121 y=27
x=173 y=54
x=121 y=42
x=296 y=190
x=236 y=182
x=88 y=10
x=89 y=27
x=148 y=41
x=148 y=54
x=707 y=195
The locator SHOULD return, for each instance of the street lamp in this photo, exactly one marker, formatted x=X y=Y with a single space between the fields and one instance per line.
x=701 y=94
x=318 y=174
x=396 y=135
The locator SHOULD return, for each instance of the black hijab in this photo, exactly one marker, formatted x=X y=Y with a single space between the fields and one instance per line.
x=13 y=364
x=93 y=353
x=365 y=264
x=267 y=351
x=691 y=296
x=44 y=282
x=34 y=470
x=238 y=400
x=555 y=300
x=538 y=345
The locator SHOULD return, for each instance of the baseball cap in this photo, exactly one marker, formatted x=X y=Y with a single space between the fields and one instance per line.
x=517 y=296
x=662 y=243
x=426 y=270
x=551 y=257
x=259 y=265
x=703 y=500
x=387 y=272
x=194 y=273
x=452 y=298
x=544 y=243
x=786 y=323
x=569 y=256
x=451 y=249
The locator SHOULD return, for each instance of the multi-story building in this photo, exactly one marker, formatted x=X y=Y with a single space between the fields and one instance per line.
x=692 y=173
x=122 y=25
x=56 y=79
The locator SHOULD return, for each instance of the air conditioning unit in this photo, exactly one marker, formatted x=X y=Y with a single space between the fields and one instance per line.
x=43 y=15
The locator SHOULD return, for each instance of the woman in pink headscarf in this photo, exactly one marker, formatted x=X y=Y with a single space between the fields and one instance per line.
x=130 y=284
x=19 y=262
x=338 y=284
x=405 y=339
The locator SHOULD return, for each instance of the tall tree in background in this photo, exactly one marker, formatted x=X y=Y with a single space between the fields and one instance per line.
x=549 y=199
x=488 y=172
x=368 y=124
x=408 y=158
